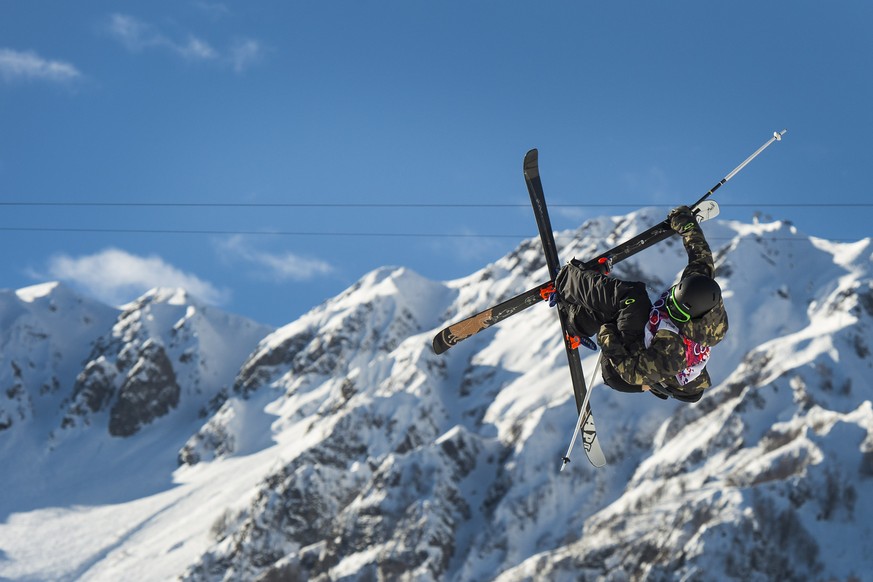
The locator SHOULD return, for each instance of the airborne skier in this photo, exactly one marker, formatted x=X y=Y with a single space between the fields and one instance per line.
x=662 y=347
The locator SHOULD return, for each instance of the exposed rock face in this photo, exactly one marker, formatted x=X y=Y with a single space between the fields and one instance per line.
x=124 y=369
x=149 y=391
x=129 y=373
x=217 y=438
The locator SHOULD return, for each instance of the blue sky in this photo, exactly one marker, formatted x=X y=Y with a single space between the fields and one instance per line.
x=349 y=104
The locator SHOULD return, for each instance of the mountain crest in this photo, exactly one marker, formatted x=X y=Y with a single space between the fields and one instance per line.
x=339 y=447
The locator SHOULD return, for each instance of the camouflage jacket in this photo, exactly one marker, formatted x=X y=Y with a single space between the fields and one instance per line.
x=669 y=354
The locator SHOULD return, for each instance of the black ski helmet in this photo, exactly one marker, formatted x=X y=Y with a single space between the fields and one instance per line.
x=692 y=297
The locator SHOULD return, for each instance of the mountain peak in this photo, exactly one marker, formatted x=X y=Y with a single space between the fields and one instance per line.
x=34 y=292
x=163 y=295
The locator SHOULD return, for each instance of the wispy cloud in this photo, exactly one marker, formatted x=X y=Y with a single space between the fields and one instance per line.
x=116 y=276
x=138 y=36
x=277 y=266
x=214 y=9
x=132 y=33
x=470 y=247
x=244 y=53
x=27 y=65
x=575 y=215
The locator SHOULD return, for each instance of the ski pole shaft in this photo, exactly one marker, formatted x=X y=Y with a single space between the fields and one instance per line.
x=777 y=136
x=566 y=458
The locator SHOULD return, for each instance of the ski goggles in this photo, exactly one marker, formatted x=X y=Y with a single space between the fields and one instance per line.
x=674 y=308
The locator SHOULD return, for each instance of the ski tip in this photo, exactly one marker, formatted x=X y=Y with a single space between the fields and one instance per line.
x=531 y=164
x=439 y=346
x=564 y=462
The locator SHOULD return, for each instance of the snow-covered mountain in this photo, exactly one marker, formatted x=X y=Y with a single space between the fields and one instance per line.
x=93 y=396
x=170 y=440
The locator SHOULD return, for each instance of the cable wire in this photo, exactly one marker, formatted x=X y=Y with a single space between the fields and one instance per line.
x=316 y=233
x=411 y=205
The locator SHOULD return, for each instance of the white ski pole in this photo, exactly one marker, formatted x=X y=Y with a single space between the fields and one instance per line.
x=777 y=136
x=582 y=413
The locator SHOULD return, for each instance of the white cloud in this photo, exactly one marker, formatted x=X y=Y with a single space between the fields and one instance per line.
x=116 y=276
x=279 y=266
x=215 y=10
x=17 y=65
x=132 y=33
x=196 y=49
x=138 y=36
x=244 y=53
x=576 y=215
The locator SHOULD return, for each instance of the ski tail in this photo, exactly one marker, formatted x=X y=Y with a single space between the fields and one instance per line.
x=585 y=424
x=459 y=331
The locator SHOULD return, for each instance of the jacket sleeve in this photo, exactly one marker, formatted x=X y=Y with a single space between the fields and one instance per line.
x=664 y=358
x=699 y=255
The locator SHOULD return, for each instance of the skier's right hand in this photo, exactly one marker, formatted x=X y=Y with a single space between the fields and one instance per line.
x=682 y=220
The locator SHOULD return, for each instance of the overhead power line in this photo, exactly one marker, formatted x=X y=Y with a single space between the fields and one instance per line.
x=311 y=233
x=253 y=232
x=412 y=205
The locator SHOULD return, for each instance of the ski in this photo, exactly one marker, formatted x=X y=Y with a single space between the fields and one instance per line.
x=461 y=330
x=550 y=249
x=565 y=460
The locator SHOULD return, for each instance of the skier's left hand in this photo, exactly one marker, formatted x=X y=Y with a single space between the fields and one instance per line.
x=610 y=342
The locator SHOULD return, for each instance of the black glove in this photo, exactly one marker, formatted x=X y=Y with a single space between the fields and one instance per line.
x=682 y=220
x=613 y=379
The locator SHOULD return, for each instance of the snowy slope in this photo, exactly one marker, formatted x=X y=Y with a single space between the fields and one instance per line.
x=46 y=333
x=71 y=367
x=341 y=447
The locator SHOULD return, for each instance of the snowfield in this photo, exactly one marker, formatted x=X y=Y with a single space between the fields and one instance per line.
x=169 y=440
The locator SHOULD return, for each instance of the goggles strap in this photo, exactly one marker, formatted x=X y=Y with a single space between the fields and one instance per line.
x=678 y=307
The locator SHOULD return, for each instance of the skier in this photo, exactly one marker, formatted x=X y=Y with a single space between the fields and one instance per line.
x=662 y=348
